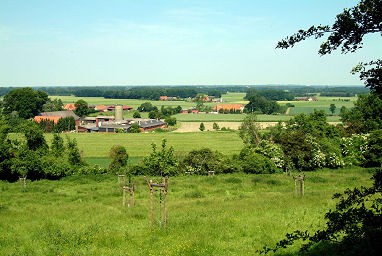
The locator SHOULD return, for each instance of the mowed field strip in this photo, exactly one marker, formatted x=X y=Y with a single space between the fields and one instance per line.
x=138 y=145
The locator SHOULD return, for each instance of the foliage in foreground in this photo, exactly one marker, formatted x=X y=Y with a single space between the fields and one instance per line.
x=353 y=228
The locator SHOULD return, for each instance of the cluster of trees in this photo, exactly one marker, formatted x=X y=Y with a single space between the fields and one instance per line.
x=162 y=113
x=305 y=143
x=31 y=156
x=63 y=125
x=264 y=102
x=24 y=102
x=271 y=94
x=354 y=227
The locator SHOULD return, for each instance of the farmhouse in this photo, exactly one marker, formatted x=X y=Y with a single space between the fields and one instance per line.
x=70 y=106
x=104 y=108
x=56 y=115
x=116 y=123
x=167 y=98
x=306 y=98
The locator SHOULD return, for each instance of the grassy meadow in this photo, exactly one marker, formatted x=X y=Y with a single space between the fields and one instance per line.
x=232 y=214
x=323 y=103
x=95 y=147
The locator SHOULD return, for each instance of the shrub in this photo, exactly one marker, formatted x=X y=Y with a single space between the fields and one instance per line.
x=160 y=163
x=202 y=161
x=215 y=126
x=136 y=114
x=135 y=128
x=118 y=157
x=373 y=152
x=93 y=170
x=202 y=127
x=170 y=121
x=272 y=151
x=252 y=162
x=353 y=149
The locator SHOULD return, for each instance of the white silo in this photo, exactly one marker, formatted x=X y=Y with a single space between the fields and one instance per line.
x=118 y=113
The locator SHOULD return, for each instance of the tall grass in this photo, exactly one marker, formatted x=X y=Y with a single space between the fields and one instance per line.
x=222 y=215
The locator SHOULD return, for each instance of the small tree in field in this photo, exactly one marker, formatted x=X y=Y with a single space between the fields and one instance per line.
x=119 y=156
x=57 y=146
x=249 y=131
x=135 y=128
x=332 y=108
x=170 y=121
x=136 y=114
x=202 y=127
x=161 y=162
x=74 y=156
x=215 y=126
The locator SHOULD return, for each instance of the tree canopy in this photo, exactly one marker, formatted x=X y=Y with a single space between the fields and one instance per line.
x=25 y=101
x=82 y=108
x=347 y=33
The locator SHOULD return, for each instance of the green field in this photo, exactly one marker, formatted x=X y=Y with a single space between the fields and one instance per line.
x=323 y=103
x=95 y=147
x=232 y=214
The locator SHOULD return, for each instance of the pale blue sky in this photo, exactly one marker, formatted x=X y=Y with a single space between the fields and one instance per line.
x=163 y=42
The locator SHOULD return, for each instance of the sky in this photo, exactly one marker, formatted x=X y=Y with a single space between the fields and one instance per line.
x=170 y=42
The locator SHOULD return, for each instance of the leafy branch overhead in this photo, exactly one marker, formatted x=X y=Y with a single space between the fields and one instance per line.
x=347 y=33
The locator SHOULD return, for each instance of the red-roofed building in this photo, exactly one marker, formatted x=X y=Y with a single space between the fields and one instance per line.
x=39 y=119
x=70 y=106
x=229 y=107
x=101 y=108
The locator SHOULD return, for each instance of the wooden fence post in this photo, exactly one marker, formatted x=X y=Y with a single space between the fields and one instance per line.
x=300 y=179
x=124 y=196
x=162 y=187
x=23 y=183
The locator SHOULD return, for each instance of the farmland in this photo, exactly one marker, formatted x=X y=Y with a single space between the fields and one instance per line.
x=95 y=147
x=305 y=107
x=232 y=214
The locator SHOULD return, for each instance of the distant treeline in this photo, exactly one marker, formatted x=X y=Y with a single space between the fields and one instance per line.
x=329 y=91
x=271 y=92
x=137 y=92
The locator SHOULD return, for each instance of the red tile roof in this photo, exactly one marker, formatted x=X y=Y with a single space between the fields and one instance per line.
x=70 y=106
x=39 y=119
x=229 y=107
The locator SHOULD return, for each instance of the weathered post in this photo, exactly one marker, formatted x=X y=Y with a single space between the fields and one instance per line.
x=131 y=193
x=300 y=179
x=23 y=183
x=121 y=180
x=132 y=201
x=165 y=202
x=124 y=197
